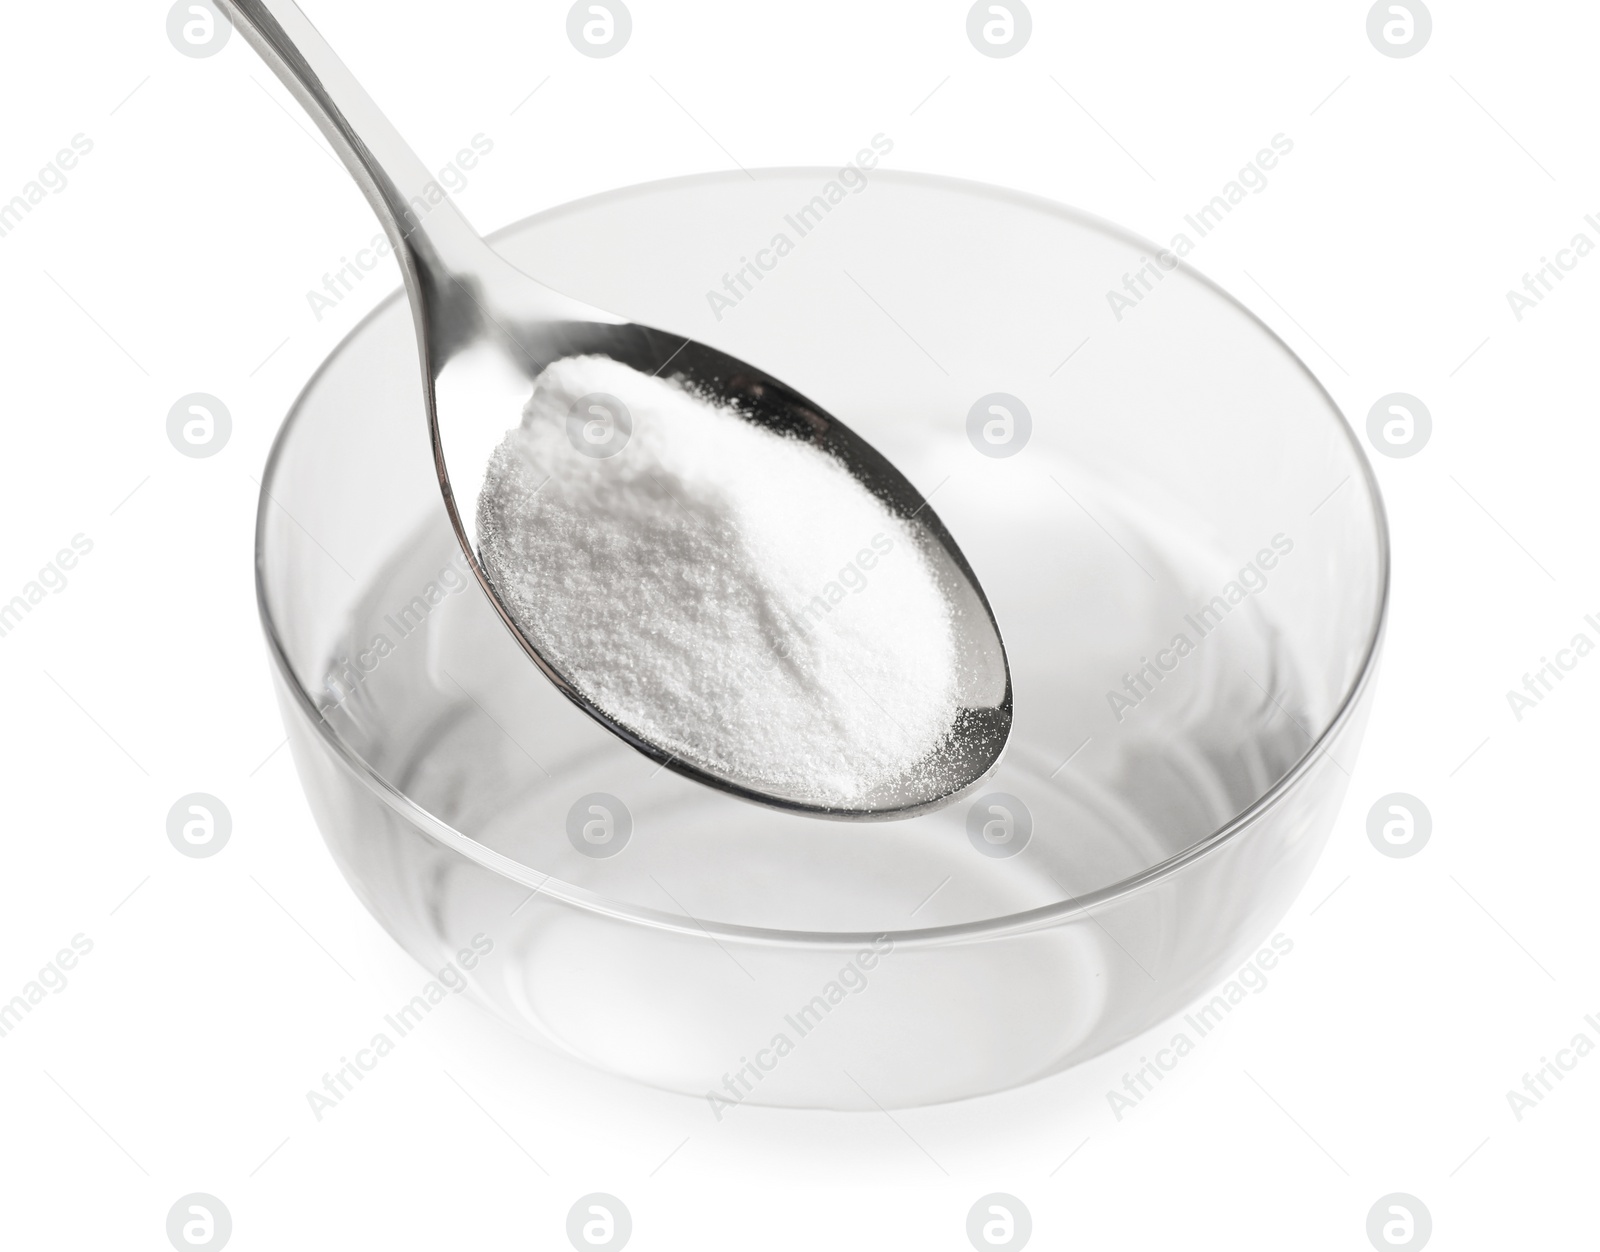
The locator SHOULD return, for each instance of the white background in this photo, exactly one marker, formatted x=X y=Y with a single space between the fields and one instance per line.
x=177 y=260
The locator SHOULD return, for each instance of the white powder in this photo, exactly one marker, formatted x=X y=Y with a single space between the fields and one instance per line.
x=731 y=594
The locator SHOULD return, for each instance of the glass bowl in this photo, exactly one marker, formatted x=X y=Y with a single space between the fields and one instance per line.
x=1184 y=547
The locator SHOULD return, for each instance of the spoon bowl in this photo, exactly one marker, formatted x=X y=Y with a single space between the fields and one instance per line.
x=486 y=330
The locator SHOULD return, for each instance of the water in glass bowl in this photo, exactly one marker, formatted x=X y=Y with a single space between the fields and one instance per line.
x=1155 y=700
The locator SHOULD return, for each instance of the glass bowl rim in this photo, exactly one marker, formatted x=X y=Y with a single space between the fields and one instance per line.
x=1028 y=920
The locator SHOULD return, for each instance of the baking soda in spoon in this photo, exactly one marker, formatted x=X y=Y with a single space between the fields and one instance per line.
x=715 y=588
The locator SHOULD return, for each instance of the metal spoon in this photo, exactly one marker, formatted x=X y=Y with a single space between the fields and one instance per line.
x=485 y=329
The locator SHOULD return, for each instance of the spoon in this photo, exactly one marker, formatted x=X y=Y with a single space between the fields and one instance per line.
x=485 y=329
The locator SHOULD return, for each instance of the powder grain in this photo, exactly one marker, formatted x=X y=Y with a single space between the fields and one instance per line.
x=729 y=593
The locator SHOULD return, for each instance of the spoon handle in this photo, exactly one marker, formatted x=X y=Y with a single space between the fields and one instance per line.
x=422 y=221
